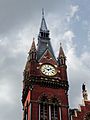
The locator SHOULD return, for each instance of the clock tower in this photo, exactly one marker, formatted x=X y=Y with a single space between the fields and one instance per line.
x=45 y=84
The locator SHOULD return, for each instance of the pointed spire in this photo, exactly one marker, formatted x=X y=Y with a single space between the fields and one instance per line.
x=43 y=39
x=42 y=12
x=33 y=47
x=61 y=52
x=32 y=52
x=43 y=23
x=84 y=92
x=61 y=56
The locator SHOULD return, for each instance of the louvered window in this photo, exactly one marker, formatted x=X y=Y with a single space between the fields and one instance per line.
x=43 y=109
x=54 y=110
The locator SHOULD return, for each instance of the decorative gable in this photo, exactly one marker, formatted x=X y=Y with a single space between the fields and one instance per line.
x=47 y=58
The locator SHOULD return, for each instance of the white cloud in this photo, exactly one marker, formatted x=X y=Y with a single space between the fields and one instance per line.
x=68 y=38
x=5 y=95
x=78 y=68
x=74 y=9
x=4 y=41
x=89 y=34
x=85 y=58
x=72 y=12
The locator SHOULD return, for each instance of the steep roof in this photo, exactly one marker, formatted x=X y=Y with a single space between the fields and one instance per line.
x=61 y=52
x=43 y=23
x=43 y=39
x=33 y=47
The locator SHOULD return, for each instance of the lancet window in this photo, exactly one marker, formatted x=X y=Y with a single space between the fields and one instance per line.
x=54 y=109
x=43 y=108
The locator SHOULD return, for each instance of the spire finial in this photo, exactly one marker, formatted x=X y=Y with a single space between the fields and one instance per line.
x=83 y=87
x=33 y=39
x=84 y=92
x=60 y=44
x=43 y=23
x=42 y=12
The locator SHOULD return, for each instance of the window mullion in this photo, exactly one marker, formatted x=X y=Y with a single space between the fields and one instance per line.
x=44 y=111
x=54 y=111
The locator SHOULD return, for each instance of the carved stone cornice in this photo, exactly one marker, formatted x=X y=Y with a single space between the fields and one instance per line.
x=55 y=83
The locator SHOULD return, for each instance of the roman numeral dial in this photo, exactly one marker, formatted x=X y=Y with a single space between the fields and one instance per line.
x=48 y=70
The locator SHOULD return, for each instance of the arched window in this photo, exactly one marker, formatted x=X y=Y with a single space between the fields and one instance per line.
x=43 y=108
x=54 y=109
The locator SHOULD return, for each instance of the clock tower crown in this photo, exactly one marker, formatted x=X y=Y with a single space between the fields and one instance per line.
x=44 y=42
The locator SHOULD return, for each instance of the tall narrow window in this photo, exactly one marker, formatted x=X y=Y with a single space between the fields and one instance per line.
x=43 y=109
x=54 y=110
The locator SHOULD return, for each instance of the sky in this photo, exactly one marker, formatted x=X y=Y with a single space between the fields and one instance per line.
x=68 y=22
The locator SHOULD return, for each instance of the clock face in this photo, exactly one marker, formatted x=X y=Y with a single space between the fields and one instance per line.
x=48 y=70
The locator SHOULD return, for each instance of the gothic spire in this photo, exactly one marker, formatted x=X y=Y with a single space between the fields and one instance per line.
x=33 y=47
x=61 y=56
x=32 y=52
x=43 y=39
x=61 y=52
x=43 y=23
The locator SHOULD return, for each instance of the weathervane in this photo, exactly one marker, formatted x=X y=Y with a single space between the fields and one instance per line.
x=43 y=12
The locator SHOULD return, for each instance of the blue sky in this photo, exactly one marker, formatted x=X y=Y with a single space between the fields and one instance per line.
x=68 y=22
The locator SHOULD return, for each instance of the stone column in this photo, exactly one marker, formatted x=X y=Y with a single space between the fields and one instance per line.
x=49 y=112
x=30 y=111
x=60 y=113
x=39 y=111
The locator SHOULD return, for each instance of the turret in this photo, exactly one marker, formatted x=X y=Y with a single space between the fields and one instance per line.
x=62 y=63
x=30 y=62
x=61 y=57
x=32 y=52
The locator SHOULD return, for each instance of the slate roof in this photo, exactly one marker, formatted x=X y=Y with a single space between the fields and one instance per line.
x=44 y=42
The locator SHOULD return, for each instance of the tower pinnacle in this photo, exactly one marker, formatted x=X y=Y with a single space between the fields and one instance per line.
x=32 y=51
x=84 y=92
x=33 y=47
x=61 y=56
x=61 y=52
x=43 y=23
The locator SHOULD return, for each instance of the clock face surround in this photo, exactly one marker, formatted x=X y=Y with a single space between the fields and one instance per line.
x=48 y=70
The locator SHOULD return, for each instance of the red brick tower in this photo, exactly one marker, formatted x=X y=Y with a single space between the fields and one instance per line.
x=45 y=84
